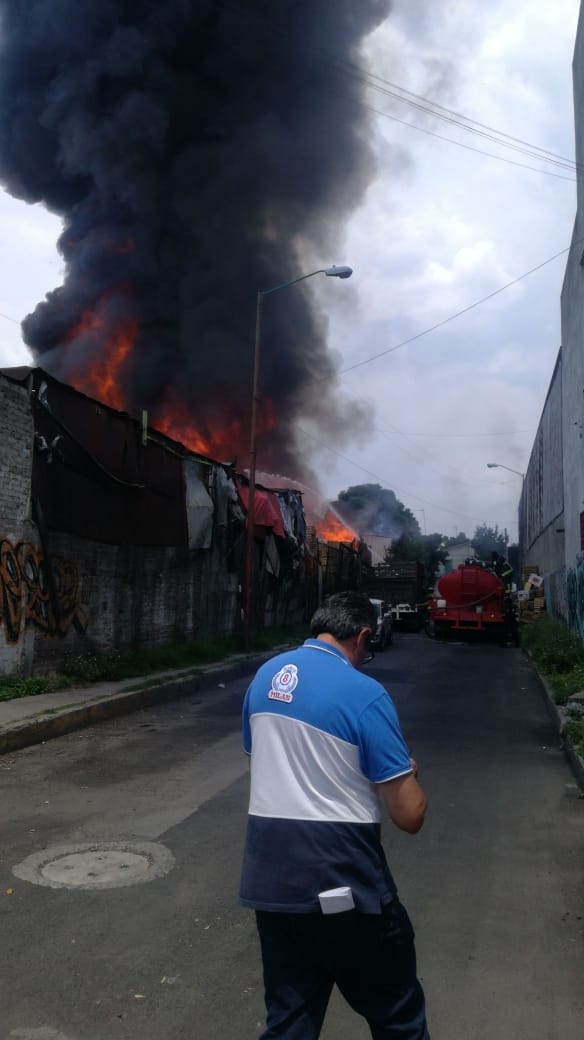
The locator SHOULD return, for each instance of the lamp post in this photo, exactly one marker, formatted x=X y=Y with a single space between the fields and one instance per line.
x=331 y=272
x=521 y=509
x=499 y=465
x=423 y=512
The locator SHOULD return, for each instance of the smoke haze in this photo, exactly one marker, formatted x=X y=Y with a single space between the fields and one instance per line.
x=196 y=151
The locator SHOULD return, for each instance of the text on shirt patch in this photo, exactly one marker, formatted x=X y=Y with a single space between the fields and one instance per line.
x=278 y=695
x=283 y=683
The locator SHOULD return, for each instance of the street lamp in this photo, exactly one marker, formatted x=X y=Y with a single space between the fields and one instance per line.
x=522 y=505
x=332 y=272
x=499 y=465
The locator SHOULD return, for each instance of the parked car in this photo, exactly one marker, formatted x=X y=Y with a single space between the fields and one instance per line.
x=383 y=636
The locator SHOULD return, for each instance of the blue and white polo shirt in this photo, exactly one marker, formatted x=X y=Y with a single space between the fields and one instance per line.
x=321 y=734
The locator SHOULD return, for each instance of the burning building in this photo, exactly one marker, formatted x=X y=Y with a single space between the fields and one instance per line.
x=113 y=536
x=196 y=151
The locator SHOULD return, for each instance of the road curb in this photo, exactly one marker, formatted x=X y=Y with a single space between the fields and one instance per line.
x=558 y=717
x=36 y=730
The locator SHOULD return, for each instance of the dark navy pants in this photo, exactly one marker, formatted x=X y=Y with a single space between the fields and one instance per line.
x=370 y=957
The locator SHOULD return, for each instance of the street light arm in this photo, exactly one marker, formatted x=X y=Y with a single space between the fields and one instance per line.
x=332 y=272
x=499 y=465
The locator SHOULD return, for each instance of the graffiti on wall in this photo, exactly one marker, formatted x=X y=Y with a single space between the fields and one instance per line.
x=53 y=601
x=575 y=597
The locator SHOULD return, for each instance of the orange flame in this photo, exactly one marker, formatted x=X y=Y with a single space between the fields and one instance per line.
x=331 y=529
x=219 y=442
x=102 y=378
x=176 y=421
x=320 y=515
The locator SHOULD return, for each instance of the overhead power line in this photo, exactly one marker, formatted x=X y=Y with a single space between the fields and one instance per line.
x=432 y=433
x=8 y=318
x=357 y=74
x=469 y=120
x=395 y=487
x=459 y=144
x=458 y=314
x=437 y=111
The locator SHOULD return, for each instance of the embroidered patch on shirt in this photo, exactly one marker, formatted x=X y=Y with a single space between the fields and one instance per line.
x=283 y=684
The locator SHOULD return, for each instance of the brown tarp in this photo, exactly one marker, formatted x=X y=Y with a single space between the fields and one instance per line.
x=92 y=476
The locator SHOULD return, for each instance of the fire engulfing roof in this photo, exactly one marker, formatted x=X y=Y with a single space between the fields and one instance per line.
x=100 y=474
x=196 y=152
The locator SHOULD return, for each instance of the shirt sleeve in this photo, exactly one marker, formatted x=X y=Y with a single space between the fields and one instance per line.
x=383 y=750
x=245 y=726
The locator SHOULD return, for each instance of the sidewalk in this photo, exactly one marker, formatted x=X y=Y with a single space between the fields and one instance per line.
x=559 y=717
x=31 y=720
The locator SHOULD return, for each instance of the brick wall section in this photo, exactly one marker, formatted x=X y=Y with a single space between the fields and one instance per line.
x=117 y=598
x=16 y=449
x=67 y=596
x=16 y=442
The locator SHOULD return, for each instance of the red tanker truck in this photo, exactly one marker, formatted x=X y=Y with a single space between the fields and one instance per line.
x=471 y=598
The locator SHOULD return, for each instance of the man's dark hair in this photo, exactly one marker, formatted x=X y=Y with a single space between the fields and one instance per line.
x=343 y=615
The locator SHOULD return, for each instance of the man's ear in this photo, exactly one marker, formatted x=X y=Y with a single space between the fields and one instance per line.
x=363 y=636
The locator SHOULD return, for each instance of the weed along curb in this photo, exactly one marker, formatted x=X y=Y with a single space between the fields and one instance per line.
x=559 y=717
x=86 y=707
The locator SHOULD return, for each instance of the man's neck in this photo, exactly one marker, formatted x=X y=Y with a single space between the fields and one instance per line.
x=346 y=647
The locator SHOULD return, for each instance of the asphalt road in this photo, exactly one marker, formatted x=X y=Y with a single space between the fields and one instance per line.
x=494 y=881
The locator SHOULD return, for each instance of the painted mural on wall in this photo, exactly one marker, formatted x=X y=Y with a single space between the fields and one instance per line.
x=30 y=594
x=575 y=597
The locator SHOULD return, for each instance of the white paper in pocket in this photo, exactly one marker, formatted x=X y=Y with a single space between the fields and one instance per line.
x=336 y=900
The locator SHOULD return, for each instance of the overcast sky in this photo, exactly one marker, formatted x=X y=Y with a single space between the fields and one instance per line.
x=442 y=227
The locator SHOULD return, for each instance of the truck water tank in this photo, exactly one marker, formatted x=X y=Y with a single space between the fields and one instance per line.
x=469 y=583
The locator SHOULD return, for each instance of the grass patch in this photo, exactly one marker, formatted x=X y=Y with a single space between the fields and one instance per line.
x=553 y=646
x=11 y=689
x=558 y=654
x=93 y=668
x=573 y=733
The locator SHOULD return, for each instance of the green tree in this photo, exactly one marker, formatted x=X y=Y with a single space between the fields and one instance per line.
x=428 y=549
x=373 y=509
x=457 y=539
x=487 y=540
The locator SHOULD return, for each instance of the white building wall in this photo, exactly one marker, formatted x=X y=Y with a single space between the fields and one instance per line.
x=541 y=511
x=572 y=305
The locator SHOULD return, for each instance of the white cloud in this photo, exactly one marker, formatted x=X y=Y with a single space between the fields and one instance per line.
x=31 y=267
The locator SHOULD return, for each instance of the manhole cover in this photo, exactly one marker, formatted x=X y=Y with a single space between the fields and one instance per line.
x=95 y=866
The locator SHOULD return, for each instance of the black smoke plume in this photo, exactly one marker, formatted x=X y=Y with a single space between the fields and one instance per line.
x=196 y=151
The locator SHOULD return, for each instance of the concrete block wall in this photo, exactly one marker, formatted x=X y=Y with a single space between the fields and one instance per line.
x=16 y=444
x=117 y=598
x=63 y=596
x=16 y=530
x=70 y=597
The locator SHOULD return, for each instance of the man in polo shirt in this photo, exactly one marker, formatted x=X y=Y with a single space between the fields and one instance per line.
x=326 y=750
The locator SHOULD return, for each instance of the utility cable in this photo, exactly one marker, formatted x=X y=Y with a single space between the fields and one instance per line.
x=458 y=144
x=395 y=487
x=503 y=140
x=465 y=119
x=372 y=81
x=458 y=314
